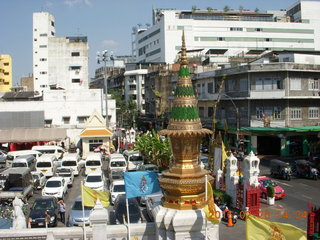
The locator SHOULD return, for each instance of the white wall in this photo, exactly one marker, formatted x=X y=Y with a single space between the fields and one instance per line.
x=57 y=104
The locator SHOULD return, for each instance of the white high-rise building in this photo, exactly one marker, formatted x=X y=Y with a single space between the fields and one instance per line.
x=58 y=62
x=217 y=35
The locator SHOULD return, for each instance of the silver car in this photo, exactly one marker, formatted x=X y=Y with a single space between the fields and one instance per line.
x=76 y=216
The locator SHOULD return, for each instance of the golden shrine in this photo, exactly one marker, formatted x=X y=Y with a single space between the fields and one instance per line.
x=184 y=183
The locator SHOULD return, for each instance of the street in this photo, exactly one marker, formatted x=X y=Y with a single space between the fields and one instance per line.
x=291 y=209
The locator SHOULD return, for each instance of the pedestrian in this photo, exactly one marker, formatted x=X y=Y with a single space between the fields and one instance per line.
x=62 y=211
x=47 y=218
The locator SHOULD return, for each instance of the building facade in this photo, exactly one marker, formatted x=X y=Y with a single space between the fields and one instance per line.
x=58 y=62
x=271 y=105
x=5 y=73
x=217 y=35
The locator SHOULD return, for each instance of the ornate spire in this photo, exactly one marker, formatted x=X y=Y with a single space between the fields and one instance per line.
x=184 y=182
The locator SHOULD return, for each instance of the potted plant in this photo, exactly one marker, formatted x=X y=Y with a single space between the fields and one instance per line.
x=270 y=192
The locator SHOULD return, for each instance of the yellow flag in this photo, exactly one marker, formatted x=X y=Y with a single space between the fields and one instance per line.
x=90 y=196
x=223 y=155
x=261 y=229
x=210 y=209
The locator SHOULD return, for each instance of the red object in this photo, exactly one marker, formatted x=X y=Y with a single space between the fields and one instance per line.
x=264 y=182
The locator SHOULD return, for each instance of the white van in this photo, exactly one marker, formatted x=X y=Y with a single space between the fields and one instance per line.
x=93 y=163
x=117 y=162
x=134 y=160
x=71 y=160
x=47 y=164
x=49 y=149
x=28 y=161
x=14 y=154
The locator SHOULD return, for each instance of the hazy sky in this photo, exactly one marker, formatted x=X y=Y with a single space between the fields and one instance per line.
x=107 y=23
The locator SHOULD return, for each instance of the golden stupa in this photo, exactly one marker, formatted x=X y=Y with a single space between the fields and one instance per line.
x=184 y=182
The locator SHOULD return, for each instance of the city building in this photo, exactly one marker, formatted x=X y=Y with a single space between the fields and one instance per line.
x=27 y=83
x=58 y=62
x=5 y=73
x=218 y=36
x=270 y=106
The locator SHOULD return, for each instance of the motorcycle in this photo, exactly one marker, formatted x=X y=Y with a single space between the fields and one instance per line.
x=225 y=212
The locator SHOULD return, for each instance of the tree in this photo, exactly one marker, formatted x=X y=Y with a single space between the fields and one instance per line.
x=155 y=149
x=226 y=8
x=209 y=9
x=194 y=7
x=241 y=8
x=257 y=10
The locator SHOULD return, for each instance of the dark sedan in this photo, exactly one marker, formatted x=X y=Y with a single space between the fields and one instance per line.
x=121 y=210
x=37 y=212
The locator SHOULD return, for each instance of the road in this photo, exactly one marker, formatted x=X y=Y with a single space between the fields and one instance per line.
x=292 y=209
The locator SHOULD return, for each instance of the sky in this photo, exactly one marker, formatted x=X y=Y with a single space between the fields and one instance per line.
x=107 y=23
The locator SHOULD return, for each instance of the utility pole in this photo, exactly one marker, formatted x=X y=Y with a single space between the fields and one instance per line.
x=104 y=57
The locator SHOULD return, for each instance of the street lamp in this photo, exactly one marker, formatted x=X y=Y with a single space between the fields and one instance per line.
x=237 y=116
x=103 y=56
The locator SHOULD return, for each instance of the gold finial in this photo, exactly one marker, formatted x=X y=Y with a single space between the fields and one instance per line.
x=183 y=58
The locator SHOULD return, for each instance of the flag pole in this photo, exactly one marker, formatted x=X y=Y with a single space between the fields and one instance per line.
x=206 y=221
x=84 y=223
x=128 y=218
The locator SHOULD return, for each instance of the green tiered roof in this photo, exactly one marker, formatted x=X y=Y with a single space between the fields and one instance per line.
x=184 y=113
x=185 y=91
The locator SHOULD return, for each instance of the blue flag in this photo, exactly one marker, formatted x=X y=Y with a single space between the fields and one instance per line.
x=140 y=183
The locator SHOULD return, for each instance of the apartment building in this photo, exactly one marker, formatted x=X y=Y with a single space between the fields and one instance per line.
x=58 y=62
x=216 y=36
x=5 y=73
x=272 y=104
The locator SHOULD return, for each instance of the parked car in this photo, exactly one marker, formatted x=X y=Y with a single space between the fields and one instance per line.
x=3 y=159
x=116 y=175
x=39 y=180
x=14 y=154
x=76 y=214
x=303 y=168
x=66 y=173
x=116 y=188
x=265 y=182
x=149 y=167
x=95 y=181
x=134 y=159
x=120 y=210
x=37 y=212
x=71 y=160
x=152 y=202
x=55 y=186
x=281 y=169
x=143 y=199
x=93 y=163
x=117 y=162
x=49 y=149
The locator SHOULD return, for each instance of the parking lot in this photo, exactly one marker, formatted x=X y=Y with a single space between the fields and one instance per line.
x=75 y=191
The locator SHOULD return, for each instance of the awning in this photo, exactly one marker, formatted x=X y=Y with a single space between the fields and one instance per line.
x=32 y=134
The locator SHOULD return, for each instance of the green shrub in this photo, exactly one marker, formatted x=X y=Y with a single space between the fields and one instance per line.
x=225 y=198
x=270 y=190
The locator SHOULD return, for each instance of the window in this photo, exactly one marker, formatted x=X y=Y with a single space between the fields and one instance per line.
x=201 y=112
x=35 y=39
x=82 y=119
x=43 y=59
x=236 y=29
x=243 y=84
x=52 y=23
x=313 y=113
x=259 y=113
x=295 y=84
x=76 y=80
x=259 y=29
x=48 y=122
x=43 y=35
x=42 y=46
x=295 y=113
x=268 y=39
x=221 y=38
x=52 y=33
x=75 y=54
x=6 y=73
x=259 y=84
x=66 y=120
x=210 y=87
x=210 y=111
x=276 y=113
x=314 y=84
x=132 y=87
x=6 y=64
x=75 y=67
x=43 y=73
x=231 y=85
x=268 y=83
